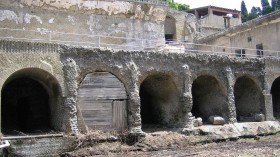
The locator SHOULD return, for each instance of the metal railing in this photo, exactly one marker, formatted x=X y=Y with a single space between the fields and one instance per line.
x=123 y=43
x=240 y=52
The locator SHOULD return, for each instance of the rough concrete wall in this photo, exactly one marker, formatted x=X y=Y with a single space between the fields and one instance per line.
x=90 y=18
x=216 y=21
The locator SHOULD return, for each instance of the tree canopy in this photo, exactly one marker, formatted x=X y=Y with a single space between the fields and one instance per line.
x=257 y=11
x=177 y=6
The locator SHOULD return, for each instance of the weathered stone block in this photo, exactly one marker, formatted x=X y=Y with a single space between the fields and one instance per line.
x=197 y=122
x=259 y=117
x=217 y=120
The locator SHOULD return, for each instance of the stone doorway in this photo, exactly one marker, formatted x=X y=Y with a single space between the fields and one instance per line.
x=208 y=98
x=275 y=92
x=249 y=99
x=170 y=29
x=27 y=99
x=160 y=107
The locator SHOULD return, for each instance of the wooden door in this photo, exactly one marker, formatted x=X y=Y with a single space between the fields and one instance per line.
x=119 y=121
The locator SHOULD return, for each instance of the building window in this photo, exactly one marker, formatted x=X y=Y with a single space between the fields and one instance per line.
x=249 y=39
x=240 y=53
x=259 y=48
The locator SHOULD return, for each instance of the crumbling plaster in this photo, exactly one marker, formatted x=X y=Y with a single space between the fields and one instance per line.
x=90 y=25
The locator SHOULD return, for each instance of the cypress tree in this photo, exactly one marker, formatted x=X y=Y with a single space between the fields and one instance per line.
x=274 y=5
x=255 y=12
x=244 y=12
x=278 y=4
x=266 y=8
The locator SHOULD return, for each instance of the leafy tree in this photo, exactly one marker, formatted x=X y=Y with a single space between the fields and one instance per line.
x=244 y=12
x=177 y=6
x=183 y=7
x=173 y=5
x=266 y=8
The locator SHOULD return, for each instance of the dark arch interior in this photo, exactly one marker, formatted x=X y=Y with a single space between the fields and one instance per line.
x=25 y=107
x=160 y=102
x=275 y=92
x=208 y=98
x=248 y=99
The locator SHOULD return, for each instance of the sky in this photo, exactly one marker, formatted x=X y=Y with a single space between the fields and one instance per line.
x=231 y=4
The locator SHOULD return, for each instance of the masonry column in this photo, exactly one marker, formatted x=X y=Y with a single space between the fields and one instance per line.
x=187 y=99
x=268 y=105
x=70 y=101
x=134 y=104
x=230 y=96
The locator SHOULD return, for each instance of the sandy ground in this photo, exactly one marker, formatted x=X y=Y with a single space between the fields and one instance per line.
x=172 y=144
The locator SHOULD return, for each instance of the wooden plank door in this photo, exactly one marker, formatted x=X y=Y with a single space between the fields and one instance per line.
x=119 y=115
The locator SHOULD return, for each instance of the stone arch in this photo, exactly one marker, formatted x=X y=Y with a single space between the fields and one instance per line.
x=160 y=105
x=275 y=92
x=31 y=102
x=249 y=99
x=170 y=28
x=209 y=97
x=102 y=99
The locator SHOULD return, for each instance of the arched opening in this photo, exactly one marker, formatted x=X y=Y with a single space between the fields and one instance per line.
x=160 y=102
x=28 y=98
x=275 y=92
x=249 y=99
x=170 y=29
x=102 y=100
x=208 y=98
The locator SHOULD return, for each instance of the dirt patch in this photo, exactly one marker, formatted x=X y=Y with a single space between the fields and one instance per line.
x=167 y=143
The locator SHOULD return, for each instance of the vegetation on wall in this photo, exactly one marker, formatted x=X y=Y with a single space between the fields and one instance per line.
x=255 y=12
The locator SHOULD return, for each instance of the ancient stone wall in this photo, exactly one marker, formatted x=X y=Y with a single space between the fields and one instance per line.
x=176 y=87
x=147 y=64
x=71 y=64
